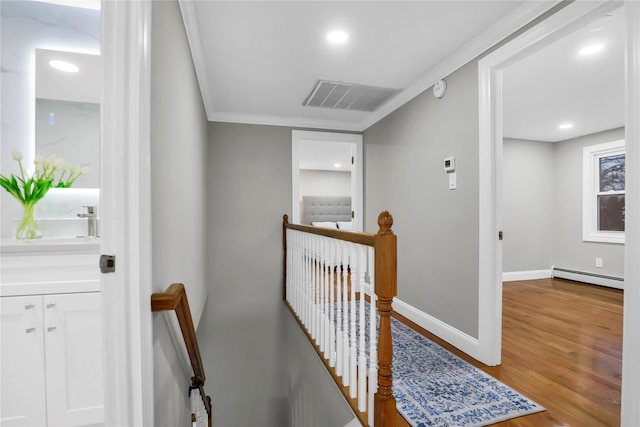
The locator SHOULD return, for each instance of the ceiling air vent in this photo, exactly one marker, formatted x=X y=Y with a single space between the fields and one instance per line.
x=348 y=96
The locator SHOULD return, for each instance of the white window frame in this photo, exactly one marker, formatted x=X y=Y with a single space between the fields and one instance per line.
x=590 y=183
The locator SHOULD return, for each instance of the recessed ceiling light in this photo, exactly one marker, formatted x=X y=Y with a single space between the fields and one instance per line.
x=64 y=66
x=337 y=36
x=337 y=165
x=591 y=49
x=565 y=126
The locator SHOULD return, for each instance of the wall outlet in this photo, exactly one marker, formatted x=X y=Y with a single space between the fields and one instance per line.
x=599 y=262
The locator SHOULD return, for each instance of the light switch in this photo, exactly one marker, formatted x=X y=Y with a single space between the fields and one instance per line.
x=452 y=180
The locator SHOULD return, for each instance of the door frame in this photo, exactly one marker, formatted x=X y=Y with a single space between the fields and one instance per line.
x=298 y=137
x=490 y=68
x=125 y=218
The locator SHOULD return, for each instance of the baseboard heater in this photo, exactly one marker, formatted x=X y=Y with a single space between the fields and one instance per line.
x=586 y=277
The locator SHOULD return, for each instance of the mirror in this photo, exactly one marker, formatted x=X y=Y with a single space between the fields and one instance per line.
x=67 y=113
x=25 y=28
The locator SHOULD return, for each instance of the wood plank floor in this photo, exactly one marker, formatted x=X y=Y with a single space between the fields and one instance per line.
x=562 y=347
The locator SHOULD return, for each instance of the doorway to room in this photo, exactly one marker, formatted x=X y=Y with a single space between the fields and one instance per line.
x=327 y=164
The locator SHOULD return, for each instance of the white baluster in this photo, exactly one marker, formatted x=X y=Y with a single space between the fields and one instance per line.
x=373 y=340
x=362 y=362
x=332 y=303
x=327 y=298
x=339 y=309
x=345 y=315
x=353 y=264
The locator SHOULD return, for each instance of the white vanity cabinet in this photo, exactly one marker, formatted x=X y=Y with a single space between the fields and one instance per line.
x=51 y=346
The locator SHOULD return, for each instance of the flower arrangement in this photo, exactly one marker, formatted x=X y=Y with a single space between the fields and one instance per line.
x=29 y=189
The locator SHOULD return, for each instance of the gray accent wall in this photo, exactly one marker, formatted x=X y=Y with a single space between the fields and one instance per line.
x=529 y=178
x=250 y=341
x=437 y=228
x=570 y=251
x=178 y=179
x=243 y=330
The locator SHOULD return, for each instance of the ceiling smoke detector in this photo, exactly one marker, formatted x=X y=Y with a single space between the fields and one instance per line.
x=348 y=96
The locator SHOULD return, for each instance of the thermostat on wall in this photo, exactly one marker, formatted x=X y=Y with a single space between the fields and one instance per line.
x=450 y=164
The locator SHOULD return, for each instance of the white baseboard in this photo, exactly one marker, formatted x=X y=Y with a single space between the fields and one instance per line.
x=591 y=278
x=442 y=330
x=512 y=276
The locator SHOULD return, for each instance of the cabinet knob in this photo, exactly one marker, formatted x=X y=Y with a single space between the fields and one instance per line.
x=29 y=330
x=51 y=328
x=29 y=306
x=51 y=304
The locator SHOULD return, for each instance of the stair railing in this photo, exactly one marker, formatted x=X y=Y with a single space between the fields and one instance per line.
x=175 y=298
x=329 y=285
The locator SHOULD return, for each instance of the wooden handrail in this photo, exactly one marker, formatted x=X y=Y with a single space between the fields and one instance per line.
x=385 y=246
x=175 y=298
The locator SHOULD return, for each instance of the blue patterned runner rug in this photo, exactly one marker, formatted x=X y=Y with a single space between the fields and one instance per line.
x=434 y=387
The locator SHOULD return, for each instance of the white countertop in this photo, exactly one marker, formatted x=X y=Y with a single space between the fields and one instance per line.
x=51 y=245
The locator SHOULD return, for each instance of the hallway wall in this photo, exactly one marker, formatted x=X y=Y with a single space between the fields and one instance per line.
x=243 y=332
x=178 y=164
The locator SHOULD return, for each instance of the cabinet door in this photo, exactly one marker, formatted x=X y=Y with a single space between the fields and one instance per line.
x=22 y=389
x=73 y=337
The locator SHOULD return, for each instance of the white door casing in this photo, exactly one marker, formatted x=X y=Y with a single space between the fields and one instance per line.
x=298 y=137
x=558 y=25
x=126 y=218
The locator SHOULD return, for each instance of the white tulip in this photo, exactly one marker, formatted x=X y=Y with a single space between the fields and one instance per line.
x=17 y=155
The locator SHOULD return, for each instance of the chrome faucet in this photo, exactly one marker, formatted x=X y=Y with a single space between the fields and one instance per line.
x=92 y=220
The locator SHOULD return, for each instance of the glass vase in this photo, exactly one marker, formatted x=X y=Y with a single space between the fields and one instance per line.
x=28 y=228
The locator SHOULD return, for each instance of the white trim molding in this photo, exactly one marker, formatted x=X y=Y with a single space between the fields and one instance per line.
x=591 y=156
x=487 y=39
x=630 y=415
x=512 y=276
x=453 y=336
x=126 y=218
x=563 y=22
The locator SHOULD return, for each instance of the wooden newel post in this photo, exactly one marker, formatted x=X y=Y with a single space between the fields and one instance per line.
x=285 y=221
x=386 y=267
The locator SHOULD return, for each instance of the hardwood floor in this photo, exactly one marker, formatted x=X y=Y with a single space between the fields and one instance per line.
x=562 y=347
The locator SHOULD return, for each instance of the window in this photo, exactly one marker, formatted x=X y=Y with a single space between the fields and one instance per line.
x=604 y=192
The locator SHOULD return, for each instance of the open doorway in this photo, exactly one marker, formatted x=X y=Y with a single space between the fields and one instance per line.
x=327 y=166
x=559 y=101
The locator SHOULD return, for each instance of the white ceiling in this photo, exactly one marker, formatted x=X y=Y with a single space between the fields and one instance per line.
x=257 y=61
x=557 y=85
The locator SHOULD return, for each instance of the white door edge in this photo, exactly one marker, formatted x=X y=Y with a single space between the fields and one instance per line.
x=126 y=217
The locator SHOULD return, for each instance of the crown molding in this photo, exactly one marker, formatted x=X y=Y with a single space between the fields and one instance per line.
x=294 y=122
x=190 y=21
x=480 y=44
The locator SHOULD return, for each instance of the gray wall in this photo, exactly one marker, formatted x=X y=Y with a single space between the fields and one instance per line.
x=529 y=212
x=324 y=183
x=570 y=251
x=178 y=174
x=242 y=331
x=247 y=334
x=437 y=228
x=542 y=185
